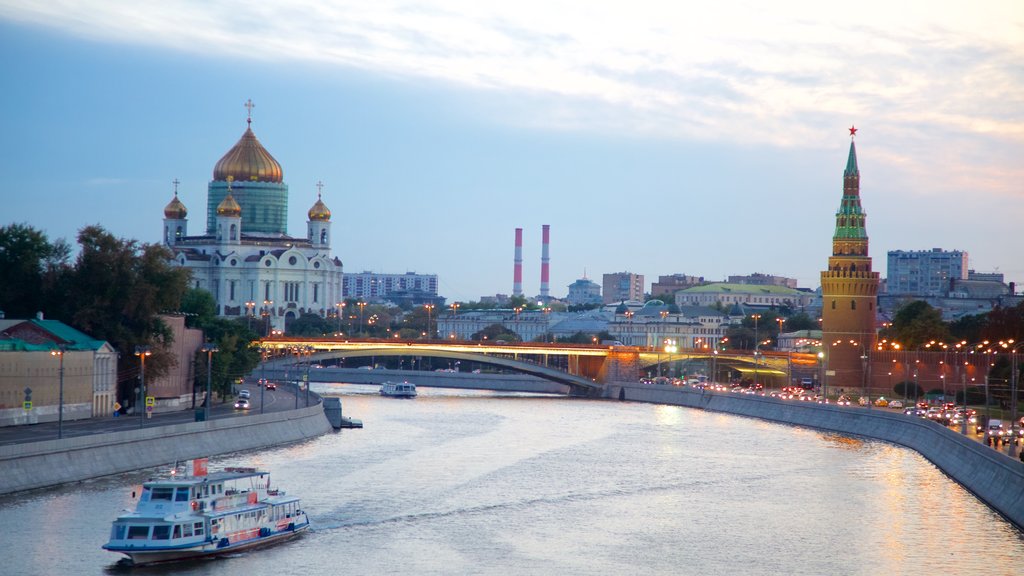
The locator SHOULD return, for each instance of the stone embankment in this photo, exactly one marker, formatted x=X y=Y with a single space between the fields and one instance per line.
x=994 y=477
x=54 y=462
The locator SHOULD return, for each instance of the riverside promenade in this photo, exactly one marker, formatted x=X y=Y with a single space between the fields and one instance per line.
x=995 y=478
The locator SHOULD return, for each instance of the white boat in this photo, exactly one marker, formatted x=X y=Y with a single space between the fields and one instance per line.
x=398 y=389
x=201 y=514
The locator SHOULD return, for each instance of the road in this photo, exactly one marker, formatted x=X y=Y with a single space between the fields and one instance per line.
x=284 y=398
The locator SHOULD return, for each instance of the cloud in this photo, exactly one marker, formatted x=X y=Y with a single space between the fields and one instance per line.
x=785 y=74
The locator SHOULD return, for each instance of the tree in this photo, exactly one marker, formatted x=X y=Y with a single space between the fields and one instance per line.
x=199 y=307
x=31 y=267
x=115 y=292
x=801 y=321
x=1004 y=324
x=496 y=332
x=916 y=324
x=309 y=325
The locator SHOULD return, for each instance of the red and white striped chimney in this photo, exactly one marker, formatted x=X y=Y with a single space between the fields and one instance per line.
x=545 y=263
x=517 y=273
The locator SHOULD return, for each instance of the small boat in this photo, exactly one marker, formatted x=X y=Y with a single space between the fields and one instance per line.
x=206 y=514
x=398 y=389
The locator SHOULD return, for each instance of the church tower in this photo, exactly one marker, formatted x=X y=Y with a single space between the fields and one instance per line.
x=175 y=219
x=319 y=223
x=229 y=219
x=849 y=289
x=258 y=186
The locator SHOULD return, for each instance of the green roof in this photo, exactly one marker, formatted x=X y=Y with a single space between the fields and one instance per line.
x=851 y=162
x=76 y=340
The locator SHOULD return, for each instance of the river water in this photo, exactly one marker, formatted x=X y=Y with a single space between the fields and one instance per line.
x=457 y=482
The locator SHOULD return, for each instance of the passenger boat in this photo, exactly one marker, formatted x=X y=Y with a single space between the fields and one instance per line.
x=206 y=514
x=398 y=389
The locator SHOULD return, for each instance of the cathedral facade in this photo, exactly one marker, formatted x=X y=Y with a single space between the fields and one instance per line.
x=245 y=258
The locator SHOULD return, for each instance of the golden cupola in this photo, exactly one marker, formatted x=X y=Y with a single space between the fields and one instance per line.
x=229 y=207
x=319 y=211
x=175 y=210
x=248 y=161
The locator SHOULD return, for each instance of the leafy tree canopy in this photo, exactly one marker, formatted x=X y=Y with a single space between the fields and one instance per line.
x=30 y=265
x=916 y=324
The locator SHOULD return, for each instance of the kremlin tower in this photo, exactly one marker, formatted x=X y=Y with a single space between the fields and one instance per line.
x=849 y=289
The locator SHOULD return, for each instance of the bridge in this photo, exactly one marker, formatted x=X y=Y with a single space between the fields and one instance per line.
x=583 y=368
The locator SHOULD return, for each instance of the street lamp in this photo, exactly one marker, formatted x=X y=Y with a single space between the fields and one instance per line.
x=59 y=352
x=268 y=306
x=210 y=348
x=250 y=308
x=361 y=305
x=142 y=352
x=824 y=386
x=430 y=308
x=547 y=311
x=757 y=343
x=341 y=310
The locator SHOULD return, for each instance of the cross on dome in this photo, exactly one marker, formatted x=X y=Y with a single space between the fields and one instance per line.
x=249 y=105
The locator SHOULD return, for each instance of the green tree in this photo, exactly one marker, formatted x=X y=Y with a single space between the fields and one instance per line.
x=915 y=324
x=115 y=291
x=496 y=332
x=800 y=321
x=1005 y=324
x=969 y=328
x=199 y=307
x=31 y=267
x=310 y=325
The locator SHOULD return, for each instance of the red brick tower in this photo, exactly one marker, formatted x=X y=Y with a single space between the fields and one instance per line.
x=849 y=289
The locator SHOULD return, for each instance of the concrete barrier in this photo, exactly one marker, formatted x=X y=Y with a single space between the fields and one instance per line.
x=995 y=478
x=54 y=462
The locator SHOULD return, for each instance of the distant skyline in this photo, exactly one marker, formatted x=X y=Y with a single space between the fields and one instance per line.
x=655 y=138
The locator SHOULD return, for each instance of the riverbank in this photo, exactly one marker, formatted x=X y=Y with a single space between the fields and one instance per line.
x=53 y=462
x=995 y=478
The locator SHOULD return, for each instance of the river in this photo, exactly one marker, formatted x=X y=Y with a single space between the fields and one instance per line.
x=457 y=482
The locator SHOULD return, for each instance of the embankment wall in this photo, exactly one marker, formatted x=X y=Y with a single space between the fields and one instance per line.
x=994 y=477
x=54 y=462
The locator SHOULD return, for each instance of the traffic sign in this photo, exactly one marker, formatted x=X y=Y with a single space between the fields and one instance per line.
x=27 y=405
x=117 y=406
x=150 y=401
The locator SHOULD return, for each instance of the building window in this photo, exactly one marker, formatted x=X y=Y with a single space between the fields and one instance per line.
x=833 y=304
x=853 y=304
x=316 y=292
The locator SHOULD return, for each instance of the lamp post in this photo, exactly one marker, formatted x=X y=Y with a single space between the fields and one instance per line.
x=59 y=352
x=268 y=306
x=547 y=326
x=757 y=343
x=361 y=305
x=250 y=311
x=263 y=375
x=430 y=308
x=210 y=348
x=341 y=311
x=142 y=352
x=823 y=384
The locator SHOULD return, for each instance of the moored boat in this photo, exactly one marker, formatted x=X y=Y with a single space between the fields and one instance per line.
x=206 y=514
x=398 y=389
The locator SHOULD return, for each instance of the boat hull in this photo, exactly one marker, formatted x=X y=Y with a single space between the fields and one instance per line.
x=141 y=556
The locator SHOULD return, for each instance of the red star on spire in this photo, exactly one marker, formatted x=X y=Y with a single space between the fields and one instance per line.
x=853 y=130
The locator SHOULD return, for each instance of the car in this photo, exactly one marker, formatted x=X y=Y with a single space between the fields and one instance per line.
x=242 y=404
x=271 y=385
x=843 y=401
x=244 y=394
x=896 y=404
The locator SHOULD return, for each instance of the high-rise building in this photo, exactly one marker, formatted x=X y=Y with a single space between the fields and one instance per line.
x=669 y=285
x=622 y=286
x=375 y=286
x=246 y=259
x=849 y=289
x=924 y=272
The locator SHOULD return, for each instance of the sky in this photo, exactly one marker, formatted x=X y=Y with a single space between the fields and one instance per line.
x=654 y=137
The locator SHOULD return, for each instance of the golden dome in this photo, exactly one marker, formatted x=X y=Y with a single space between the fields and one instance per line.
x=228 y=207
x=175 y=210
x=248 y=161
x=319 y=211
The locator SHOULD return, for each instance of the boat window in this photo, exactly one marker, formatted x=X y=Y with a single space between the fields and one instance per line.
x=118 y=532
x=162 y=493
x=161 y=532
x=186 y=531
x=138 y=532
x=177 y=531
x=199 y=528
x=181 y=495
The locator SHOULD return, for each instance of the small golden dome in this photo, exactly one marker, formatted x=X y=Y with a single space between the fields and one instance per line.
x=248 y=161
x=228 y=207
x=319 y=211
x=175 y=210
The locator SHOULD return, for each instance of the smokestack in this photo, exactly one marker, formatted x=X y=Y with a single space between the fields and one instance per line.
x=517 y=274
x=545 y=263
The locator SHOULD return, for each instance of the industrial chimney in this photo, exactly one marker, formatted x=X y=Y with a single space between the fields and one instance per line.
x=545 y=263
x=517 y=274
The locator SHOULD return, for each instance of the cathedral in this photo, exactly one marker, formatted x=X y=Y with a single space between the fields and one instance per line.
x=245 y=258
